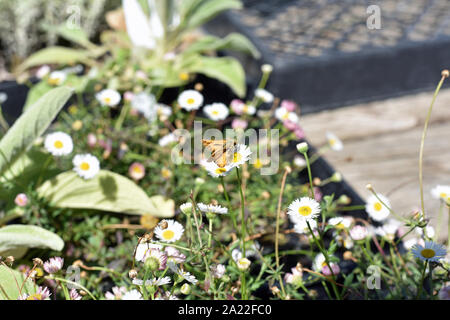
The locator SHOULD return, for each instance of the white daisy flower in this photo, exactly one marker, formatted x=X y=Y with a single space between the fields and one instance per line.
x=241 y=155
x=283 y=114
x=43 y=71
x=243 y=264
x=429 y=231
x=57 y=78
x=299 y=162
x=190 y=100
x=143 y=248
x=249 y=109
x=109 y=97
x=132 y=295
x=303 y=209
x=264 y=95
x=214 y=170
x=184 y=274
x=334 y=142
x=358 y=232
x=410 y=243
x=430 y=252
x=216 y=111
x=341 y=222
x=210 y=208
x=58 y=144
x=301 y=227
x=320 y=265
x=441 y=192
x=174 y=255
x=172 y=233
x=86 y=165
x=145 y=104
x=167 y=139
x=376 y=210
x=153 y=282
x=186 y=208
x=163 y=111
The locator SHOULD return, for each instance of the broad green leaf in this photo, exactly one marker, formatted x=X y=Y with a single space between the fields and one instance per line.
x=209 y=9
x=10 y=283
x=226 y=69
x=56 y=55
x=234 y=42
x=107 y=191
x=31 y=125
x=36 y=92
x=16 y=237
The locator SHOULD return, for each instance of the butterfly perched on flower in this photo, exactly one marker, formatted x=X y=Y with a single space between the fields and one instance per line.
x=222 y=151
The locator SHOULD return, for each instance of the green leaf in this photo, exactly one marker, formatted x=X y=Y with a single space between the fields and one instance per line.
x=107 y=191
x=226 y=69
x=31 y=125
x=10 y=283
x=209 y=9
x=16 y=237
x=234 y=42
x=56 y=55
x=36 y=92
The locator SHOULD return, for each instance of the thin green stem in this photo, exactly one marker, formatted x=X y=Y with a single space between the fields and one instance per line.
x=422 y=280
x=422 y=143
x=308 y=166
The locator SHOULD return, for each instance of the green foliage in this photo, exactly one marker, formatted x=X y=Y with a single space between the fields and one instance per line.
x=226 y=69
x=17 y=237
x=107 y=191
x=10 y=283
x=31 y=125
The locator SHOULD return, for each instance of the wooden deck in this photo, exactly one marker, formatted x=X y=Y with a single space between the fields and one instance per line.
x=381 y=147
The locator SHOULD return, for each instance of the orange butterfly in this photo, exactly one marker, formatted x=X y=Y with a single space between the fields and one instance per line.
x=222 y=151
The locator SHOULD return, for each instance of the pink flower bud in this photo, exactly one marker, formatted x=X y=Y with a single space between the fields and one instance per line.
x=21 y=200
x=288 y=105
x=326 y=271
x=239 y=124
x=237 y=106
x=136 y=171
x=91 y=140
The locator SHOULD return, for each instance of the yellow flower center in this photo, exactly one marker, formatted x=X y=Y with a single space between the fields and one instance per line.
x=190 y=101
x=54 y=81
x=428 y=253
x=340 y=225
x=332 y=142
x=184 y=76
x=305 y=211
x=168 y=234
x=58 y=144
x=285 y=116
x=107 y=100
x=85 y=166
x=221 y=170
x=237 y=157
x=443 y=195
x=166 y=173
x=36 y=296
x=258 y=164
x=215 y=112
x=377 y=206
x=137 y=169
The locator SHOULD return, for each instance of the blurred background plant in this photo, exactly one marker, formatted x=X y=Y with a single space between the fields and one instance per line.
x=28 y=25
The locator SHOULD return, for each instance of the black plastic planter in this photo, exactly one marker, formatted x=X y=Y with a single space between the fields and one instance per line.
x=325 y=56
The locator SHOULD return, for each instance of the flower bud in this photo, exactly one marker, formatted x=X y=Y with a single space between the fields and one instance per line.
x=151 y=263
x=132 y=274
x=302 y=147
x=185 y=289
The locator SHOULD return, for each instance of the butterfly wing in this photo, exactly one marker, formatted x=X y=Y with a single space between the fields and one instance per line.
x=221 y=151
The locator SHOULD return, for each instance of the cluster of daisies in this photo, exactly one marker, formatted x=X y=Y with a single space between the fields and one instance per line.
x=60 y=144
x=52 y=267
